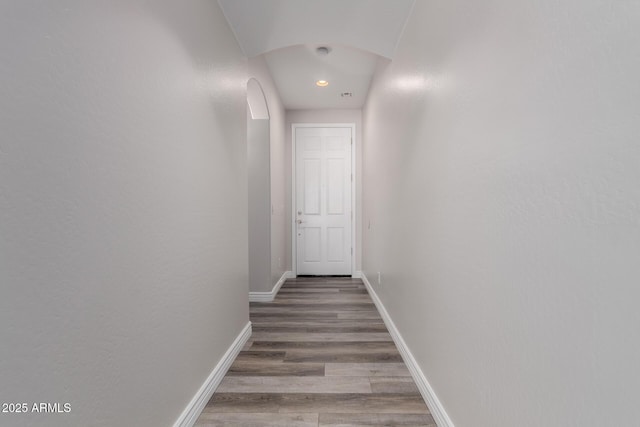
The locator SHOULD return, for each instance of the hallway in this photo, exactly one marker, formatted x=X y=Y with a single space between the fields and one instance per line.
x=152 y=216
x=320 y=355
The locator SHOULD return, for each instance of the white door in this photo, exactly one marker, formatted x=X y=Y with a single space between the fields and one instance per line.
x=323 y=201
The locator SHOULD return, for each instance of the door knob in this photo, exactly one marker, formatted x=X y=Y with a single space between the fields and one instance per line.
x=299 y=221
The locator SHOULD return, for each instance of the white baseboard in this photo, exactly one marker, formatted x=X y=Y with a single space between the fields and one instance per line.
x=191 y=413
x=269 y=296
x=436 y=408
x=357 y=275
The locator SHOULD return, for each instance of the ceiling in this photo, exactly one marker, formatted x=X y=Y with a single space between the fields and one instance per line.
x=295 y=70
x=287 y=32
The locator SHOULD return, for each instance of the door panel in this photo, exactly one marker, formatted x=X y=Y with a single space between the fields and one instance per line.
x=335 y=244
x=311 y=181
x=335 y=187
x=323 y=201
x=312 y=246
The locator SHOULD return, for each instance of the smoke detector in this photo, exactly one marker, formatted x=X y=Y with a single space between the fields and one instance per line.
x=323 y=50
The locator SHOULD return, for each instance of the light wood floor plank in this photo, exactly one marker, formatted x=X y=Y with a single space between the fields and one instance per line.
x=344 y=420
x=257 y=420
x=303 y=327
x=296 y=299
x=261 y=307
x=356 y=313
x=324 y=346
x=276 y=369
x=294 y=384
x=367 y=370
x=260 y=356
x=359 y=315
x=324 y=337
x=298 y=356
x=301 y=315
x=317 y=403
x=284 y=322
x=393 y=385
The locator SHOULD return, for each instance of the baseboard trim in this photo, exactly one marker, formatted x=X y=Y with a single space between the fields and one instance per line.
x=436 y=408
x=269 y=296
x=357 y=275
x=191 y=413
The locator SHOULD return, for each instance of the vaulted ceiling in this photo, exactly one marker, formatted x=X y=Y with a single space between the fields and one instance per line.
x=287 y=33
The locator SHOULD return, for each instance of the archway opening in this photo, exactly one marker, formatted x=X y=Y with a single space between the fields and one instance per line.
x=259 y=186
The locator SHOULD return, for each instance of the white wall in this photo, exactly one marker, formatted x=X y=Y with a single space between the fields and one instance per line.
x=325 y=116
x=259 y=70
x=123 y=206
x=501 y=171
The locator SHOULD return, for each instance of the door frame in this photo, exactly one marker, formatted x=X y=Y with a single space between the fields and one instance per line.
x=294 y=249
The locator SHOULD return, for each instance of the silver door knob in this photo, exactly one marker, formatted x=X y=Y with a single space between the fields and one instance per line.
x=299 y=221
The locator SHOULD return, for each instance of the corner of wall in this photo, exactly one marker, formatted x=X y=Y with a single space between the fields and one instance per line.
x=428 y=394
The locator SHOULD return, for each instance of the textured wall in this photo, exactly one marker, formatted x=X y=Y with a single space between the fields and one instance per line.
x=501 y=171
x=326 y=116
x=123 y=206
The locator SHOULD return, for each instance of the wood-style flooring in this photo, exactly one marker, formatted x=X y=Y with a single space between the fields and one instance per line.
x=320 y=355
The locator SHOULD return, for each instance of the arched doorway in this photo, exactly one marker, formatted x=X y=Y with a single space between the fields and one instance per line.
x=259 y=186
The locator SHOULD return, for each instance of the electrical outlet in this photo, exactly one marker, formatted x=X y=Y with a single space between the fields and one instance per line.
x=379 y=278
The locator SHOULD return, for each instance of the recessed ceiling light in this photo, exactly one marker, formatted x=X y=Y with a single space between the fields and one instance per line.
x=322 y=83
